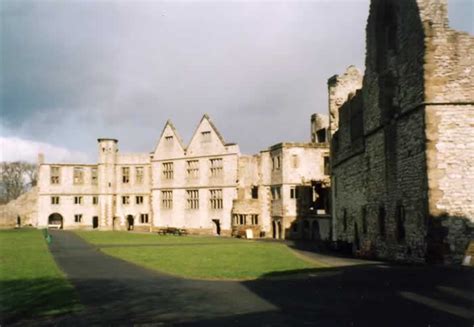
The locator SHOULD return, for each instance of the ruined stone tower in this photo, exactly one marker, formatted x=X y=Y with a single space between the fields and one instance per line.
x=403 y=155
x=107 y=181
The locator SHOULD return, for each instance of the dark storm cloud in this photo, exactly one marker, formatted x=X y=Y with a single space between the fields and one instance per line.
x=73 y=71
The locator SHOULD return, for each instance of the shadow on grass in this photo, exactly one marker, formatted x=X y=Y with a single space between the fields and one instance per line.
x=37 y=297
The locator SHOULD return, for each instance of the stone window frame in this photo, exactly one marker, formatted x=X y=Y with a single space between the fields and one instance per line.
x=55 y=175
x=139 y=199
x=216 y=201
x=192 y=168
x=294 y=193
x=78 y=175
x=144 y=218
x=326 y=164
x=254 y=192
x=167 y=199
x=276 y=192
x=206 y=136
x=78 y=218
x=94 y=176
x=295 y=162
x=125 y=175
x=192 y=199
x=78 y=200
x=95 y=200
x=167 y=170
x=139 y=174
x=55 y=200
x=169 y=140
x=216 y=167
x=125 y=199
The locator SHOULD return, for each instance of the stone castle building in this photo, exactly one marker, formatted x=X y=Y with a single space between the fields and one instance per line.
x=206 y=187
x=402 y=137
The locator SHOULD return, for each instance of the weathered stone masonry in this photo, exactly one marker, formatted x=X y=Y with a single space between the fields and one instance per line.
x=403 y=159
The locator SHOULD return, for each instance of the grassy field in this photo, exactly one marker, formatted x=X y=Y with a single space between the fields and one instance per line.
x=200 y=257
x=30 y=282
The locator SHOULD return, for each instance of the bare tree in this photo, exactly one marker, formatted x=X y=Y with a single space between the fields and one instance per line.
x=15 y=179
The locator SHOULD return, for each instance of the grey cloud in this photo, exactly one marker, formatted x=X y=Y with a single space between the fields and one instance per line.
x=74 y=71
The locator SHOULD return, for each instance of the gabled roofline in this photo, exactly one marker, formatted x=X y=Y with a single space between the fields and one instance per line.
x=219 y=135
x=175 y=131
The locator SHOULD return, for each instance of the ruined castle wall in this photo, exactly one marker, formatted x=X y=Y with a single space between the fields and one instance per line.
x=450 y=153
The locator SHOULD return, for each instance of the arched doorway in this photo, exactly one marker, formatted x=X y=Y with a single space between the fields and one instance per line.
x=279 y=230
x=315 y=231
x=55 y=220
x=95 y=222
x=217 y=226
x=306 y=230
x=130 y=222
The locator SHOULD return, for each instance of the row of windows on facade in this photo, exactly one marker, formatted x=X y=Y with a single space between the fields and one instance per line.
x=276 y=193
x=381 y=221
x=192 y=199
x=144 y=218
x=79 y=172
x=95 y=199
x=192 y=168
x=245 y=220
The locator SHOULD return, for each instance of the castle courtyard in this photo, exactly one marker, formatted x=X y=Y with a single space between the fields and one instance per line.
x=334 y=292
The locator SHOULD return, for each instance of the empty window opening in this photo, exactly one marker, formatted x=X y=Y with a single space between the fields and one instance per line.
x=321 y=135
x=139 y=175
x=125 y=175
x=139 y=199
x=78 y=177
x=327 y=166
x=78 y=200
x=125 y=199
x=255 y=192
x=206 y=136
x=55 y=200
x=78 y=218
x=295 y=161
x=94 y=176
x=144 y=218
x=55 y=174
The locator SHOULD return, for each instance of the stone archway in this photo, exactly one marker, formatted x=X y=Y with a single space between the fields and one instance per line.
x=55 y=220
x=217 y=226
x=130 y=222
x=280 y=234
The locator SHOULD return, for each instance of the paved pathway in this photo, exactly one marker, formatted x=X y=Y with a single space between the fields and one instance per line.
x=117 y=293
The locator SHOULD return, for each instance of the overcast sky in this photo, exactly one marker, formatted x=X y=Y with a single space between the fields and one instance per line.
x=73 y=71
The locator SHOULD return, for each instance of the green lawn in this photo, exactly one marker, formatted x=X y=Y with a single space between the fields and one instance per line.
x=200 y=257
x=30 y=282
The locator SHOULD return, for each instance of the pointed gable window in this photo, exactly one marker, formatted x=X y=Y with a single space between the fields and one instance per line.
x=206 y=136
x=169 y=140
